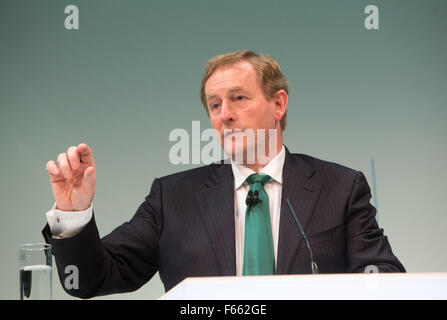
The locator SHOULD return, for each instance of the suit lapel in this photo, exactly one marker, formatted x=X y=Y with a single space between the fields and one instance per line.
x=303 y=193
x=216 y=203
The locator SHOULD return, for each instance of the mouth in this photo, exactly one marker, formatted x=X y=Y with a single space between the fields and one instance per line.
x=230 y=132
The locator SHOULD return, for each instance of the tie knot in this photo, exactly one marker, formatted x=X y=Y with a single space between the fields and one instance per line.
x=255 y=177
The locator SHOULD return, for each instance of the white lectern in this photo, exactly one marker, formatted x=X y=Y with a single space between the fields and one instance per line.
x=395 y=286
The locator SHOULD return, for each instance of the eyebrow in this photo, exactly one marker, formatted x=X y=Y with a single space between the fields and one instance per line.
x=237 y=88
x=231 y=90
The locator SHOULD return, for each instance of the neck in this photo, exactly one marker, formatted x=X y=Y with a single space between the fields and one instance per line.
x=257 y=167
x=269 y=155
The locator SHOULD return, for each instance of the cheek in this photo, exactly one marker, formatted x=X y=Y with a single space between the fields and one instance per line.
x=263 y=119
x=273 y=116
x=264 y=112
x=215 y=123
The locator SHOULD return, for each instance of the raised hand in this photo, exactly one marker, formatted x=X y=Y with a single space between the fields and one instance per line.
x=73 y=178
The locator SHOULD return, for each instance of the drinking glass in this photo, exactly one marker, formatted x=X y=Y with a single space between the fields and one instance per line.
x=35 y=271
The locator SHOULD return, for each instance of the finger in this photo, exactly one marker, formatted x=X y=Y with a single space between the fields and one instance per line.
x=64 y=165
x=52 y=168
x=54 y=172
x=86 y=154
x=90 y=178
x=73 y=157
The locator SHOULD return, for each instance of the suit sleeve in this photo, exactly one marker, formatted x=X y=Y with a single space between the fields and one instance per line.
x=366 y=243
x=122 y=261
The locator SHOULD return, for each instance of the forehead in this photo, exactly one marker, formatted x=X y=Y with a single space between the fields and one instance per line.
x=241 y=74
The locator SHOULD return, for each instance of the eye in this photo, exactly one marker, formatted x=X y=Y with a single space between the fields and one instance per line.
x=237 y=98
x=215 y=106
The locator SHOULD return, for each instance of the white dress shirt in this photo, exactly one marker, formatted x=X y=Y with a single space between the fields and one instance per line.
x=65 y=224
x=273 y=188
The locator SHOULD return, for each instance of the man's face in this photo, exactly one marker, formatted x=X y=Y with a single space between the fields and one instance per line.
x=236 y=103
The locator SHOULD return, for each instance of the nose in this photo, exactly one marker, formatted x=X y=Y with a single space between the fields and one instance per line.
x=227 y=112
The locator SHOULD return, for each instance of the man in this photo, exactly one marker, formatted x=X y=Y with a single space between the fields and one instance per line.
x=221 y=219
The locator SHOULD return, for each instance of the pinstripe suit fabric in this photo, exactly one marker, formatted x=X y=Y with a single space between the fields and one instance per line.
x=185 y=228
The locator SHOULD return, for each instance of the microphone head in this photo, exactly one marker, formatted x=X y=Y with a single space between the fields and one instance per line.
x=249 y=199
x=256 y=197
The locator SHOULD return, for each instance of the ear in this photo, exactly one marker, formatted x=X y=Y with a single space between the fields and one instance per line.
x=281 y=99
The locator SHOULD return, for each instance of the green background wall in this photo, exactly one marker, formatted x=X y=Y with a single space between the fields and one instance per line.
x=131 y=74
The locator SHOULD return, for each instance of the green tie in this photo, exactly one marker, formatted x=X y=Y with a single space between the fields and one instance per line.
x=258 y=245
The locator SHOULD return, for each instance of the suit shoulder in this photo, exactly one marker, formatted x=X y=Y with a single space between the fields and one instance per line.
x=336 y=177
x=190 y=175
x=326 y=168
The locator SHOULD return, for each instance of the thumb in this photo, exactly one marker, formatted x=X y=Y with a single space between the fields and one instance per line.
x=90 y=178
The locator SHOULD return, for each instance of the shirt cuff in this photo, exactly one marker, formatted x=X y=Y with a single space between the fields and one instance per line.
x=67 y=224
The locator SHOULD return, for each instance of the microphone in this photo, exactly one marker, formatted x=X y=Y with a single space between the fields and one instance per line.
x=249 y=198
x=252 y=198
x=313 y=264
x=256 y=197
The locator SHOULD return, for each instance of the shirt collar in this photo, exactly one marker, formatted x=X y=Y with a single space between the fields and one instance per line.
x=273 y=169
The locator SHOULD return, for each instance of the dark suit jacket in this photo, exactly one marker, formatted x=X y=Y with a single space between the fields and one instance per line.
x=185 y=228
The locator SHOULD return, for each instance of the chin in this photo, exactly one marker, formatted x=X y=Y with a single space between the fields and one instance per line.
x=232 y=148
x=241 y=153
